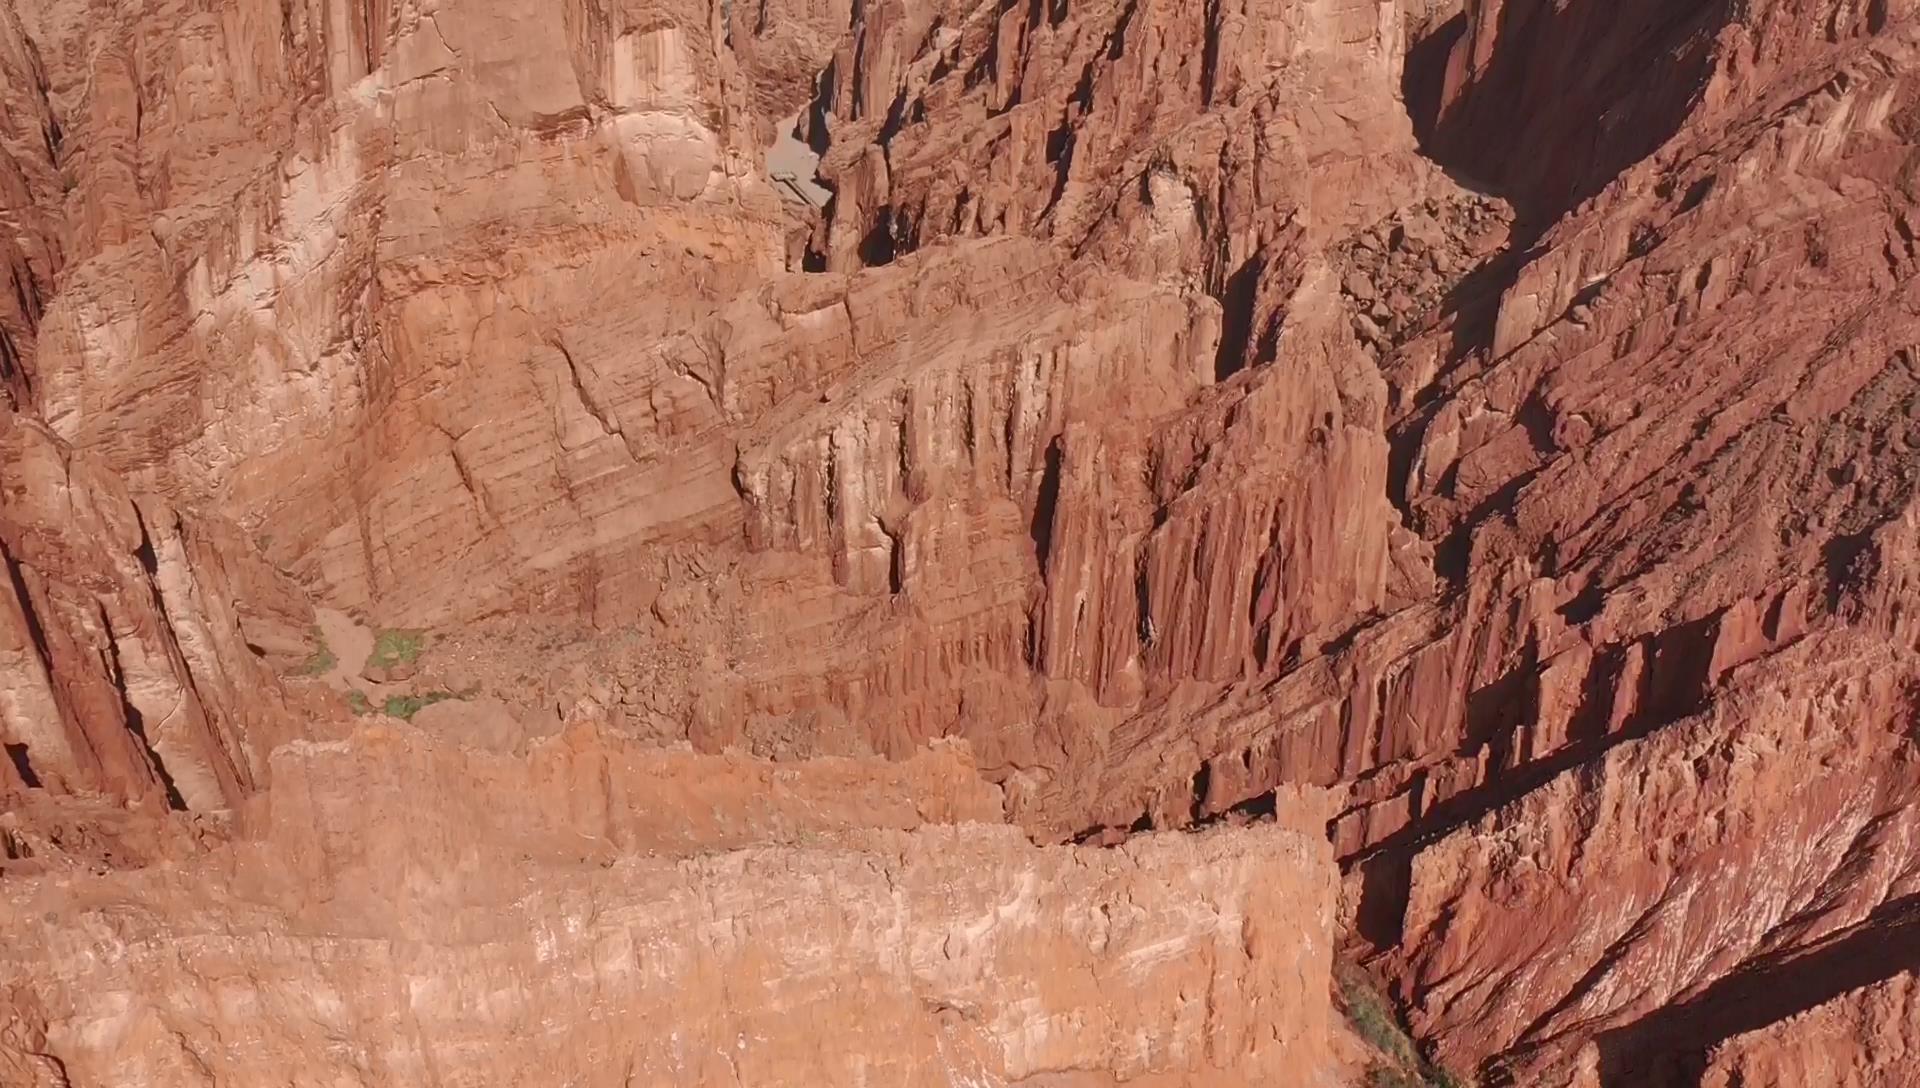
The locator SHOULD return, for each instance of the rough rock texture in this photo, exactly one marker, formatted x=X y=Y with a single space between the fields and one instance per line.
x=132 y=638
x=1798 y=859
x=358 y=416
x=1865 y=1037
x=1501 y=412
x=367 y=934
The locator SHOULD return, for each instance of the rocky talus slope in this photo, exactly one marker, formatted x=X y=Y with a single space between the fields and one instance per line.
x=1222 y=499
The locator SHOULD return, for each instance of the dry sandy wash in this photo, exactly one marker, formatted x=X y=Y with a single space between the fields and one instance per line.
x=1057 y=543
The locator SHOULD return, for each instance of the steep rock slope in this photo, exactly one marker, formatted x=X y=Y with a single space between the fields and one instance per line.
x=1502 y=412
x=1686 y=434
x=383 y=325
x=1864 y=1037
x=137 y=643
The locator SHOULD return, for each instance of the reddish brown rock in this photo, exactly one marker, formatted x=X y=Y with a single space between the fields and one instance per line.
x=130 y=638
x=1502 y=413
x=1862 y=1039
x=615 y=947
x=30 y=186
x=1682 y=884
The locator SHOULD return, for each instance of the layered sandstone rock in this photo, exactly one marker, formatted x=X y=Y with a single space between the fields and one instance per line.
x=30 y=138
x=137 y=643
x=371 y=932
x=1782 y=854
x=369 y=436
x=1501 y=412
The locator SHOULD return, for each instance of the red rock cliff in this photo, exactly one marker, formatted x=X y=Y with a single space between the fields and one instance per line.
x=1500 y=415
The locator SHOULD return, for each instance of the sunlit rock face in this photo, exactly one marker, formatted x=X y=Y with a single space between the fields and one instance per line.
x=956 y=543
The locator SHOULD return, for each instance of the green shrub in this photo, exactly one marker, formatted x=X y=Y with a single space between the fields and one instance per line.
x=1373 y=1019
x=1386 y=1076
x=357 y=700
x=1367 y=1011
x=396 y=647
x=321 y=661
x=405 y=707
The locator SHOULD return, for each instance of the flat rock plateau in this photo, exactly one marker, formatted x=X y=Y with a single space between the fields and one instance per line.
x=1046 y=543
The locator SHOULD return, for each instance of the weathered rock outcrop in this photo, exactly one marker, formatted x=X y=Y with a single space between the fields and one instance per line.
x=137 y=643
x=1784 y=848
x=29 y=186
x=364 y=435
x=1862 y=1039
x=370 y=933
x=1501 y=412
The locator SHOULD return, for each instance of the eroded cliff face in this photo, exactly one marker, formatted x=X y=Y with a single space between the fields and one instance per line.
x=1498 y=414
x=137 y=641
x=1863 y=1037
x=608 y=915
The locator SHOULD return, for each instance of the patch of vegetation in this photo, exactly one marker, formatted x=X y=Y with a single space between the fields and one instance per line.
x=1373 y=1019
x=394 y=646
x=405 y=707
x=1386 y=1076
x=1428 y=1076
x=321 y=661
x=357 y=700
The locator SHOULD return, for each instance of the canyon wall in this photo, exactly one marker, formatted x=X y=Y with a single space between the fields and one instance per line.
x=137 y=642
x=383 y=920
x=1501 y=414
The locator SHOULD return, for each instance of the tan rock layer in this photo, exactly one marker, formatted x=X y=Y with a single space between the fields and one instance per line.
x=377 y=936
x=1164 y=423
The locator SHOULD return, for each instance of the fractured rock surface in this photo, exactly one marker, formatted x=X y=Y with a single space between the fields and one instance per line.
x=370 y=931
x=1499 y=415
